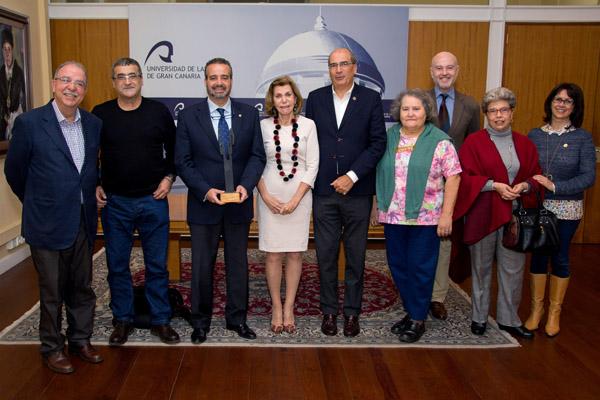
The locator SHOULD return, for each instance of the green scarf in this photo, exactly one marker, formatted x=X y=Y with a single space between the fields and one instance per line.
x=419 y=166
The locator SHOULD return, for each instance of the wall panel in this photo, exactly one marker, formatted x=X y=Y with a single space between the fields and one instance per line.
x=467 y=40
x=538 y=56
x=96 y=44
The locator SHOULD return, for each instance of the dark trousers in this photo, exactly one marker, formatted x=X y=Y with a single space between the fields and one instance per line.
x=560 y=258
x=412 y=253
x=65 y=276
x=120 y=217
x=205 y=244
x=346 y=218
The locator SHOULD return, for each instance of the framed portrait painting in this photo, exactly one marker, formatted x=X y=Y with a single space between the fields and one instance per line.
x=15 y=95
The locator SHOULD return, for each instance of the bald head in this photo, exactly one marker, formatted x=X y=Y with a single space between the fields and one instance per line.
x=444 y=70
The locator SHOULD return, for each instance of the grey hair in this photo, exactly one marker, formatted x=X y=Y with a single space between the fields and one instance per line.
x=425 y=98
x=125 y=62
x=71 y=62
x=498 y=94
x=352 y=56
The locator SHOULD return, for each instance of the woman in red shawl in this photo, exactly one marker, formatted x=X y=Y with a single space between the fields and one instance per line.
x=498 y=167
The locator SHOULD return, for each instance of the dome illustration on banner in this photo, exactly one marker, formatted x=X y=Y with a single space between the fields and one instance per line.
x=304 y=58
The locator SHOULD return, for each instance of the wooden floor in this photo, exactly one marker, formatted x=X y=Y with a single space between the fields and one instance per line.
x=567 y=367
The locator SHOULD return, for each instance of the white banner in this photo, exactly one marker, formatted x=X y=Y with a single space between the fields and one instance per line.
x=263 y=41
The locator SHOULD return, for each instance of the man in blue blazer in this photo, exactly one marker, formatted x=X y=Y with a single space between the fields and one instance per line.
x=352 y=139
x=199 y=160
x=51 y=167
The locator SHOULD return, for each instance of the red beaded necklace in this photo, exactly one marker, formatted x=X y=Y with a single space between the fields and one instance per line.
x=286 y=177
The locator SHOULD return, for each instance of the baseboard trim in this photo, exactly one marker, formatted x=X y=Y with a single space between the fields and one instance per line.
x=14 y=258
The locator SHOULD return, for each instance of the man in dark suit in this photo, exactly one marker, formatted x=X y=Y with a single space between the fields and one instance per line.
x=51 y=167
x=352 y=139
x=205 y=133
x=458 y=116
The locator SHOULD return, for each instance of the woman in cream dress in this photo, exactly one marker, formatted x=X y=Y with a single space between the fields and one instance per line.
x=285 y=201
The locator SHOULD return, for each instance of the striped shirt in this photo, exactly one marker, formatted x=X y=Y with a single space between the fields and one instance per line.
x=73 y=134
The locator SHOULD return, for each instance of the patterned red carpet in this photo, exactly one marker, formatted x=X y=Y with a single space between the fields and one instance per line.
x=379 y=290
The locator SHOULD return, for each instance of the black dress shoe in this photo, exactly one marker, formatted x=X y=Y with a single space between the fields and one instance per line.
x=413 y=332
x=478 y=328
x=242 y=330
x=166 y=334
x=400 y=326
x=438 y=310
x=199 y=335
x=351 y=326
x=329 y=324
x=519 y=331
x=120 y=333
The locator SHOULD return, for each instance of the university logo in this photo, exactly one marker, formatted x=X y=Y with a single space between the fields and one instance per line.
x=158 y=45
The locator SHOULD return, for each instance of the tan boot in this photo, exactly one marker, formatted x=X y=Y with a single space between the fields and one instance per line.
x=558 y=288
x=538 y=288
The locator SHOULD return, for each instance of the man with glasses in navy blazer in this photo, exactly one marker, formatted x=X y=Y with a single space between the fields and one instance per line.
x=352 y=139
x=207 y=133
x=51 y=167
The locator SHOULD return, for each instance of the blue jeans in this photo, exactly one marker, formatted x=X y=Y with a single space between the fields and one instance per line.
x=412 y=253
x=560 y=258
x=120 y=217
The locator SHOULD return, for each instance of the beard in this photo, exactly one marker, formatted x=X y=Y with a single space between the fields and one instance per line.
x=222 y=94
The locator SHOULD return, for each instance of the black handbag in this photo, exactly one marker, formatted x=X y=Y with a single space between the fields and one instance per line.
x=531 y=229
x=547 y=240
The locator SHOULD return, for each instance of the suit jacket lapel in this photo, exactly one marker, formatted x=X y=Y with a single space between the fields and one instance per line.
x=330 y=108
x=91 y=158
x=206 y=126
x=52 y=129
x=457 y=114
x=236 y=123
x=352 y=106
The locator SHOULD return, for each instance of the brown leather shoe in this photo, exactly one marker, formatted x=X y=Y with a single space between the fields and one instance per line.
x=351 y=326
x=87 y=353
x=58 y=362
x=329 y=325
x=165 y=333
x=438 y=310
x=120 y=334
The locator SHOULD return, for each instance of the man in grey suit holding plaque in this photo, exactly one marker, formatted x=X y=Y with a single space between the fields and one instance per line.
x=219 y=154
x=458 y=115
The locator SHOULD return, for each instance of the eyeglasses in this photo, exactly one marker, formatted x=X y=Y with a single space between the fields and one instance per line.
x=343 y=64
x=65 y=80
x=503 y=110
x=564 y=102
x=123 y=77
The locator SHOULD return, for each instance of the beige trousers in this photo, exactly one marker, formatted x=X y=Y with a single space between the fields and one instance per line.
x=442 y=281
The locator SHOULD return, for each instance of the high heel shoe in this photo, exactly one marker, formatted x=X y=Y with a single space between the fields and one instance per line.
x=289 y=328
x=277 y=322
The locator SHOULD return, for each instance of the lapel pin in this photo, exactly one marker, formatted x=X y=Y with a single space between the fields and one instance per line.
x=566 y=145
x=354 y=98
x=239 y=115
